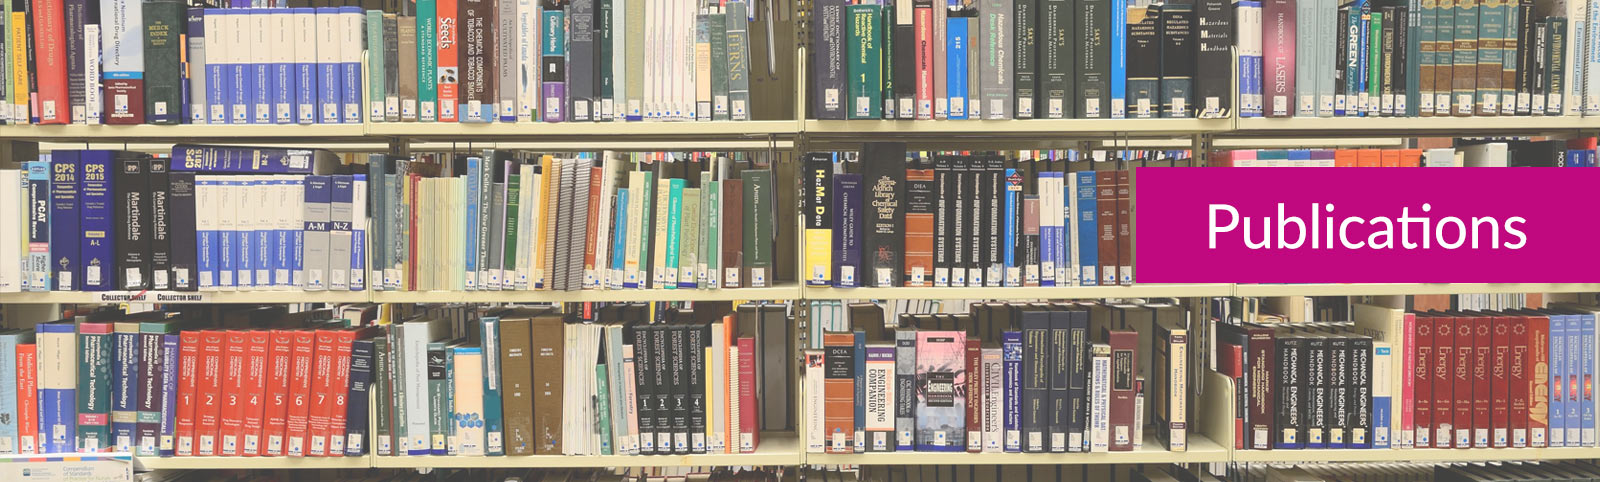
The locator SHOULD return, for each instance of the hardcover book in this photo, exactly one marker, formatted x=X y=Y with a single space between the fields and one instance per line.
x=941 y=406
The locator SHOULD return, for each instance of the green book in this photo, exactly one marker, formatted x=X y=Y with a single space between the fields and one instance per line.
x=375 y=79
x=452 y=444
x=508 y=271
x=603 y=402
x=674 y=230
x=1464 y=75
x=864 y=52
x=689 y=240
x=1374 y=64
x=646 y=229
x=1556 y=64
x=712 y=257
x=758 y=228
x=94 y=386
x=427 y=61
x=163 y=83
x=397 y=365
x=1491 y=40
x=383 y=399
x=718 y=23
x=438 y=401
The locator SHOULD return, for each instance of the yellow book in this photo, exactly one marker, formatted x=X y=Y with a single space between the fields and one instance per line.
x=541 y=203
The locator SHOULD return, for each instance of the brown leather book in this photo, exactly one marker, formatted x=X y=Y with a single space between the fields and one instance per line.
x=1106 y=201
x=516 y=368
x=549 y=339
x=1124 y=229
x=839 y=391
x=733 y=233
x=920 y=204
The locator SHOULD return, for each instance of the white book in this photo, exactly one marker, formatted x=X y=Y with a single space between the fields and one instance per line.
x=358 y=233
x=1577 y=57
x=91 y=73
x=305 y=54
x=328 y=46
x=527 y=61
x=880 y=400
x=237 y=46
x=12 y=236
x=227 y=220
x=630 y=402
x=284 y=32
x=1099 y=397
x=816 y=435
x=594 y=275
x=267 y=194
x=205 y=226
x=417 y=336
x=993 y=400
x=525 y=214
x=217 y=59
x=262 y=35
x=1138 y=415
x=287 y=204
x=1382 y=391
x=636 y=197
x=351 y=36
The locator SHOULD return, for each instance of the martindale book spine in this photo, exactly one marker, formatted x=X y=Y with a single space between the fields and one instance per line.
x=828 y=44
x=161 y=225
x=133 y=214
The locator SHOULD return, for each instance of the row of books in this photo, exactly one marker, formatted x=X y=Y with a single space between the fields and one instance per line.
x=1004 y=378
x=1471 y=153
x=1511 y=471
x=159 y=62
x=533 y=381
x=149 y=385
x=205 y=218
x=886 y=218
x=1325 y=58
x=1434 y=379
x=510 y=220
x=999 y=473
x=1022 y=59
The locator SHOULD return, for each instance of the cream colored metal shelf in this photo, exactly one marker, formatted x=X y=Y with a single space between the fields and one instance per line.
x=1023 y=293
x=147 y=133
x=782 y=292
x=569 y=130
x=775 y=449
x=1358 y=289
x=1033 y=128
x=1411 y=126
x=1414 y=455
x=256 y=463
x=89 y=297
x=1201 y=450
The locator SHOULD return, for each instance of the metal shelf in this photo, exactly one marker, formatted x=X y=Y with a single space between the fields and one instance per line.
x=1022 y=293
x=91 y=297
x=988 y=130
x=569 y=131
x=782 y=292
x=1415 y=455
x=775 y=449
x=148 y=133
x=255 y=463
x=1201 y=450
x=1358 y=289
x=1410 y=126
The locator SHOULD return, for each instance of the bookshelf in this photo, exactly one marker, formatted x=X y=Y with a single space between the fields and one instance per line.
x=254 y=463
x=775 y=449
x=782 y=292
x=1025 y=293
x=1201 y=450
x=1359 y=289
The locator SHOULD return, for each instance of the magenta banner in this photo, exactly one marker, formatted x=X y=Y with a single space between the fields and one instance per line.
x=1366 y=225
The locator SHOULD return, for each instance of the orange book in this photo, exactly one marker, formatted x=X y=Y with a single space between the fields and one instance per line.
x=321 y=393
x=839 y=392
x=1369 y=158
x=300 y=365
x=231 y=424
x=1391 y=158
x=920 y=202
x=255 y=383
x=27 y=399
x=1411 y=158
x=1344 y=158
x=448 y=33
x=276 y=413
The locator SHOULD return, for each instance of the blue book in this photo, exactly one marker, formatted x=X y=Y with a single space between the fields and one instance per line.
x=358 y=233
x=1359 y=8
x=1573 y=421
x=1088 y=252
x=356 y=407
x=282 y=67
x=260 y=69
x=1380 y=408
x=330 y=72
x=37 y=269
x=8 y=385
x=1586 y=347
x=474 y=192
x=124 y=385
x=297 y=235
x=169 y=393
x=619 y=240
x=305 y=66
x=1558 y=377
x=217 y=85
x=99 y=270
x=1119 y=59
x=1047 y=237
x=1011 y=357
x=207 y=242
x=1008 y=255
x=58 y=404
x=350 y=21
x=860 y=359
x=1299 y=157
x=1063 y=236
x=956 y=66
x=245 y=160
x=245 y=231
x=493 y=425
x=64 y=230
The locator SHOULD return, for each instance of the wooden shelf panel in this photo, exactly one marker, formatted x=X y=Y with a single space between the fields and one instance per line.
x=1201 y=450
x=775 y=449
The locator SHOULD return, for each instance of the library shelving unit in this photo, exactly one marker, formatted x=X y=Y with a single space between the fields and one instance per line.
x=788 y=291
x=263 y=297
x=1035 y=292
x=1360 y=289
x=1201 y=450
x=257 y=463
x=222 y=133
x=1413 y=126
x=780 y=448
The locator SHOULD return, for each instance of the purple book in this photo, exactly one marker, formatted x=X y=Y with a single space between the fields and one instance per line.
x=169 y=392
x=1277 y=38
x=553 y=49
x=847 y=230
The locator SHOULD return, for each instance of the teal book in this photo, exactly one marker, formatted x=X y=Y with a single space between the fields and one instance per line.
x=453 y=442
x=94 y=387
x=1414 y=14
x=1464 y=77
x=438 y=401
x=712 y=256
x=427 y=60
x=864 y=53
x=493 y=420
x=602 y=385
x=375 y=68
x=1374 y=73
x=674 y=230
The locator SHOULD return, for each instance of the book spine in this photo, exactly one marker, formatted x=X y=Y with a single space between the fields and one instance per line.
x=123 y=61
x=133 y=209
x=147 y=404
x=829 y=62
x=554 y=65
x=28 y=398
x=1100 y=374
x=1055 y=83
x=1279 y=51
x=956 y=45
x=1087 y=220
x=819 y=219
x=61 y=417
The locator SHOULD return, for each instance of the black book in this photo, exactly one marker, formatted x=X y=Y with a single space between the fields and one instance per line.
x=1093 y=44
x=1025 y=56
x=819 y=214
x=668 y=386
x=181 y=216
x=1056 y=59
x=947 y=223
x=978 y=196
x=883 y=254
x=1359 y=425
x=160 y=224
x=356 y=406
x=582 y=80
x=1290 y=426
x=994 y=223
x=904 y=63
x=1316 y=404
x=132 y=189
x=1536 y=64
x=1177 y=59
x=1338 y=391
x=1144 y=62
x=1214 y=65
x=1525 y=49
x=1077 y=378
x=1386 y=87
x=1036 y=368
x=1340 y=57
x=774 y=366
x=1060 y=411
x=694 y=346
x=391 y=70
x=641 y=336
x=827 y=60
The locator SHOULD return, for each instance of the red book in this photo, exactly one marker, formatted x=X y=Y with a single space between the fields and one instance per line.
x=1369 y=158
x=838 y=391
x=749 y=402
x=50 y=62
x=1422 y=382
x=305 y=344
x=1444 y=342
x=974 y=360
x=209 y=389
x=276 y=414
x=411 y=232
x=1230 y=362
x=255 y=381
x=1538 y=379
x=449 y=34
x=1411 y=158
x=1391 y=157
x=320 y=400
x=922 y=21
x=1408 y=331
x=231 y=425
x=1124 y=363
x=1482 y=380
x=1500 y=384
x=1517 y=381
x=339 y=391
x=1462 y=385
x=27 y=398
x=188 y=375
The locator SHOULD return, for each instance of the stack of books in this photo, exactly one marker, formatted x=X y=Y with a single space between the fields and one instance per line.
x=1005 y=378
